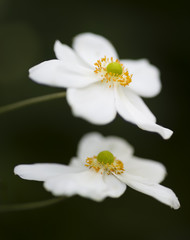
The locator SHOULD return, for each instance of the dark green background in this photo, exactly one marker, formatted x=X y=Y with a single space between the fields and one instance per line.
x=48 y=132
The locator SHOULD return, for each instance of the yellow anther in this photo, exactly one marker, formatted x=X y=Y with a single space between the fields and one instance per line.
x=105 y=162
x=112 y=72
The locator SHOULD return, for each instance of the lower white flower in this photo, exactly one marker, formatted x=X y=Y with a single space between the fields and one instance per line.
x=99 y=85
x=103 y=167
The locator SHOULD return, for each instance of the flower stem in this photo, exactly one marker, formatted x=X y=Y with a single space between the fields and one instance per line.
x=30 y=206
x=31 y=101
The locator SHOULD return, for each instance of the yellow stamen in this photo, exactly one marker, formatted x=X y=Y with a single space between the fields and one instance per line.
x=112 y=72
x=115 y=167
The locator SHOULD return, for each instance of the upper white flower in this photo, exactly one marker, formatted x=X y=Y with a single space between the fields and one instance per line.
x=99 y=85
x=102 y=168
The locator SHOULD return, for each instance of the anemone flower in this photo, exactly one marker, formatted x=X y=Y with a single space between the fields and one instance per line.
x=99 y=84
x=103 y=167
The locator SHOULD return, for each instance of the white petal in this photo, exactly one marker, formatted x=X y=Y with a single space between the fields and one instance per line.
x=76 y=162
x=42 y=171
x=115 y=187
x=146 y=77
x=59 y=74
x=151 y=170
x=88 y=184
x=94 y=103
x=91 y=47
x=68 y=56
x=93 y=143
x=157 y=191
x=132 y=108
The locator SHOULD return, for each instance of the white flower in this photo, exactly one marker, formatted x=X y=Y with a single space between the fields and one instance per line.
x=99 y=85
x=103 y=167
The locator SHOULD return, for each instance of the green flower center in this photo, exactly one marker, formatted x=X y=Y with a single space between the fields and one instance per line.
x=114 y=67
x=105 y=157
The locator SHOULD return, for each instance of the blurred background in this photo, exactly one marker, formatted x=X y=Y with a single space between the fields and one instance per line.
x=47 y=132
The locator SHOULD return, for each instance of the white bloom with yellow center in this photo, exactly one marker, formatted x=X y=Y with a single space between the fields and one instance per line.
x=99 y=85
x=103 y=167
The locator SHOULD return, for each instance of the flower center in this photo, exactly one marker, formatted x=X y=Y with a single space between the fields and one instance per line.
x=105 y=157
x=112 y=72
x=105 y=162
x=114 y=67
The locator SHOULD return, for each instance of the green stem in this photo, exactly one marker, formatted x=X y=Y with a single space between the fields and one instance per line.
x=29 y=206
x=31 y=101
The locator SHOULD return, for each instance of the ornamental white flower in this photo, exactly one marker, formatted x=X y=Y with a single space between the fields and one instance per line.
x=103 y=167
x=99 y=85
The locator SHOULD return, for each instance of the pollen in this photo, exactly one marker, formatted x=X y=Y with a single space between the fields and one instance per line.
x=112 y=72
x=105 y=162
